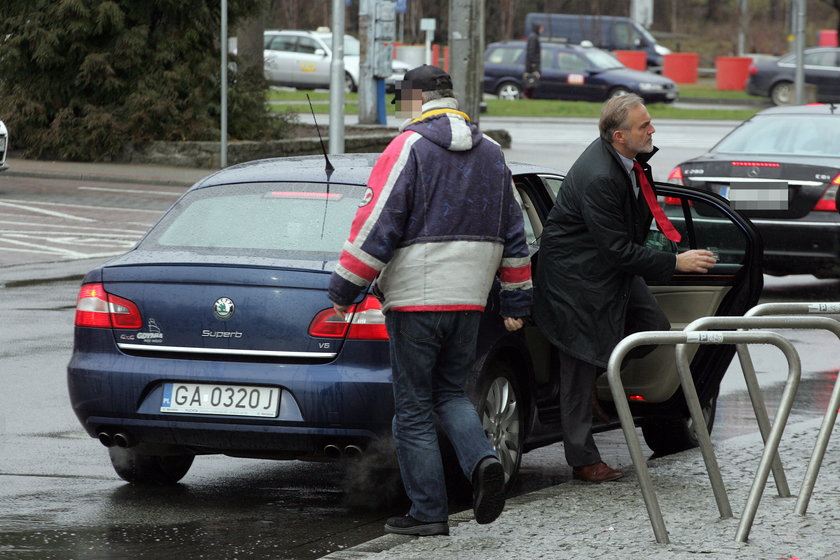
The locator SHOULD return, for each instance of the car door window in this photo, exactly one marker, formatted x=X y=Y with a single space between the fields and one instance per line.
x=570 y=62
x=547 y=58
x=553 y=184
x=703 y=225
x=282 y=43
x=307 y=45
x=505 y=55
x=820 y=59
x=533 y=224
x=623 y=36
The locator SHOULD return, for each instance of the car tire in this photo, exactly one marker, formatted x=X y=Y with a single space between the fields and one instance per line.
x=782 y=93
x=500 y=408
x=666 y=436
x=618 y=92
x=149 y=469
x=509 y=91
x=349 y=84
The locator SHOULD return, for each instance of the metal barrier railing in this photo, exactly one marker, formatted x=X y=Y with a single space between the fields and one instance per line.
x=806 y=309
x=690 y=392
x=756 y=322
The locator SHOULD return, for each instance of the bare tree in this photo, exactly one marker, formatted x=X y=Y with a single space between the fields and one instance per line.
x=836 y=5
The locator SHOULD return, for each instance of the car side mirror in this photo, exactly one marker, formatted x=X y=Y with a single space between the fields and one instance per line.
x=320 y=52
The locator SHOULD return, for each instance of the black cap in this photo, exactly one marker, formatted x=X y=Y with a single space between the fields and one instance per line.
x=426 y=78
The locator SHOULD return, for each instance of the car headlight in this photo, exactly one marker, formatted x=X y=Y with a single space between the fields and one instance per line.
x=2 y=144
x=648 y=86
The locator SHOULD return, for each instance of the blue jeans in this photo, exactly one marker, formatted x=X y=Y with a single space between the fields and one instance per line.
x=431 y=354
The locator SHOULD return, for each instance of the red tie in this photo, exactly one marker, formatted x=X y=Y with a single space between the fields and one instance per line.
x=665 y=225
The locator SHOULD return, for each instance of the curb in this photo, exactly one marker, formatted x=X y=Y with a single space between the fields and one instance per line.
x=78 y=176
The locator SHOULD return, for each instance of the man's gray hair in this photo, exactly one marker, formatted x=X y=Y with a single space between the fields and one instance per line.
x=437 y=94
x=614 y=114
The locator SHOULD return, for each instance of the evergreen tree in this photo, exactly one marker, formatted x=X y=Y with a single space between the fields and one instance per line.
x=82 y=78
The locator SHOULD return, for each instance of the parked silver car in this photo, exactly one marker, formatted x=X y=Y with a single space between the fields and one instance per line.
x=302 y=59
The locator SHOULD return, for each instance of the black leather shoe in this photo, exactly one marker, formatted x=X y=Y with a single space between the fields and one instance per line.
x=407 y=525
x=488 y=490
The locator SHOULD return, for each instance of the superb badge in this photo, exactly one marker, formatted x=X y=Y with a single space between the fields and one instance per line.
x=223 y=308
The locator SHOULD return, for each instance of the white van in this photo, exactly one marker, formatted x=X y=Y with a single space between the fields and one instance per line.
x=605 y=32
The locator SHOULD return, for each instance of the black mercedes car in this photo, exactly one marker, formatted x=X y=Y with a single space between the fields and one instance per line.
x=781 y=169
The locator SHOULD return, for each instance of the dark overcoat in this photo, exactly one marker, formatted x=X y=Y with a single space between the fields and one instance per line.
x=590 y=250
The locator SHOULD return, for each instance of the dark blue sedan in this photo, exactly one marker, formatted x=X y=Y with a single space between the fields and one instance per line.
x=215 y=335
x=571 y=72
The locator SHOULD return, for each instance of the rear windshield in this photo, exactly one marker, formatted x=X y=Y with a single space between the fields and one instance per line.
x=803 y=135
x=279 y=220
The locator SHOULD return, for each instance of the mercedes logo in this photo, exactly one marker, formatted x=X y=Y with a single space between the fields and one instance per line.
x=753 y=172
x=223 y=308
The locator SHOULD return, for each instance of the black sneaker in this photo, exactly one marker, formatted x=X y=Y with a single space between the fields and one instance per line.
x=488 y=490
x=407 y=525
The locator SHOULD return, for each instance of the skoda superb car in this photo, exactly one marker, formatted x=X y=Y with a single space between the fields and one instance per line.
x=215 y=334
x=781 y=169
x=573 y=72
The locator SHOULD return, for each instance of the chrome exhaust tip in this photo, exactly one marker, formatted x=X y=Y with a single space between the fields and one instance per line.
x=123 y=439
x=105 y=439
x=353 y=451
x=332 y=451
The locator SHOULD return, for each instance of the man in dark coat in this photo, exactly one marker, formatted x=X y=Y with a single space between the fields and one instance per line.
x=533 y=61
x=590 y=289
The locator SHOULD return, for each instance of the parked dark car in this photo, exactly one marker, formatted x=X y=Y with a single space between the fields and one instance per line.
x=781 y=168
x=215 y=335
x=572 y=72
x=775 y=78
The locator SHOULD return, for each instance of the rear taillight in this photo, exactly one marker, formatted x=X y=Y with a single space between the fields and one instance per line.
x=828 y=201
x=676 y=175
x=752 y=70
x=97 y=308
x=364 y=321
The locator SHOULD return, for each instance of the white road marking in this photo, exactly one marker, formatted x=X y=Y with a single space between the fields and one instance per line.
x=106 y=189
x=46 y=212
x=39 y=248
x=83 y=206
x=64 y=226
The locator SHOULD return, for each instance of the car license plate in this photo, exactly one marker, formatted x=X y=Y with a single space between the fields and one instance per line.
x=231 y=400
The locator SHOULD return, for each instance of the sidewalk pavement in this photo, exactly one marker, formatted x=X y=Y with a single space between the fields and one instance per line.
x=577 y=520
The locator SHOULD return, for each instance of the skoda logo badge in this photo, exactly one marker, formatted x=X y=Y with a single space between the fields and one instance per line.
x=223 y=308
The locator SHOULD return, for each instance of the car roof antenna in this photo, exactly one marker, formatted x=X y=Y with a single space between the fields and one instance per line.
x=329 y=167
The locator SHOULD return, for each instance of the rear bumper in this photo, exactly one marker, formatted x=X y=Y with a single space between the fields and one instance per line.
x=347 y=401
x=801 y=246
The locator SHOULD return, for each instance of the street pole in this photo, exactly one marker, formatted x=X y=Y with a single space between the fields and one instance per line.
x=337 y=80
x=224 y=115
x=466 y=45
x=367 y=83
x=799 y=75
x=743 y=25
